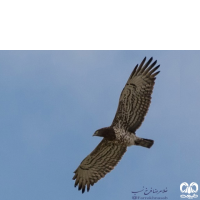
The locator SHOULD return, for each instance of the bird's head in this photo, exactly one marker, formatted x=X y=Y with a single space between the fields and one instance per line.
x=107 y=133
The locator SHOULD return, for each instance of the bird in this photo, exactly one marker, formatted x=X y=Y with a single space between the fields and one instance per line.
x=133 y=106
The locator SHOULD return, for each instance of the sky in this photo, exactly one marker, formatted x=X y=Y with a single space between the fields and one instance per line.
x=53 y=101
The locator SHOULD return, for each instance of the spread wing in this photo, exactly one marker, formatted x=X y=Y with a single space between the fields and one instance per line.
x=97 y=164
x=135 y=98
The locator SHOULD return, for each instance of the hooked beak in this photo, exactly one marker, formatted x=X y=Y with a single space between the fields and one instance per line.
x=95 y=134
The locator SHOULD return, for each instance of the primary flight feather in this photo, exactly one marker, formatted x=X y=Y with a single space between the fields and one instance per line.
x=133 y=105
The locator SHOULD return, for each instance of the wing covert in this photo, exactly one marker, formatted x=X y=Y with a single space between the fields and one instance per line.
x=98 y=163
x=135 y=98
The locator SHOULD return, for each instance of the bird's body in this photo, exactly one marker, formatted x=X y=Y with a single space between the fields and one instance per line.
x=124 y=137
x=133 y=105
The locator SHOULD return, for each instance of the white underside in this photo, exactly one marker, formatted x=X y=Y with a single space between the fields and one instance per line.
x=125 y=137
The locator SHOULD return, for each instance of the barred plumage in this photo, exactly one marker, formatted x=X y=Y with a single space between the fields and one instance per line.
x=96 y=165
x=135 y=98
x=133 y=105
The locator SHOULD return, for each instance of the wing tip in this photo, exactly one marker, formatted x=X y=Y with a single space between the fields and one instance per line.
x=144 y=68
x=83 y=187
x=151 y=59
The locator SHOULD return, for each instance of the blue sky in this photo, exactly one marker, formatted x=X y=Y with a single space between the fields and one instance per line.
x=53 y=101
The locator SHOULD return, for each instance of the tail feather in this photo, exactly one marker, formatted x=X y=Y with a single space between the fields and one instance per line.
x=144 y=142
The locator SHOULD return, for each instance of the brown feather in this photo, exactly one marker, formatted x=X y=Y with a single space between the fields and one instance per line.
x=135 y=98
x=95 y=166
x=133 y=105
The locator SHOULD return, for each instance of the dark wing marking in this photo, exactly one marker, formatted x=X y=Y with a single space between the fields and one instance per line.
x=135 y=98
x=97 y=164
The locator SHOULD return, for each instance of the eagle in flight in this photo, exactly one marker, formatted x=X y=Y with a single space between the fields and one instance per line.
x=133 y=105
